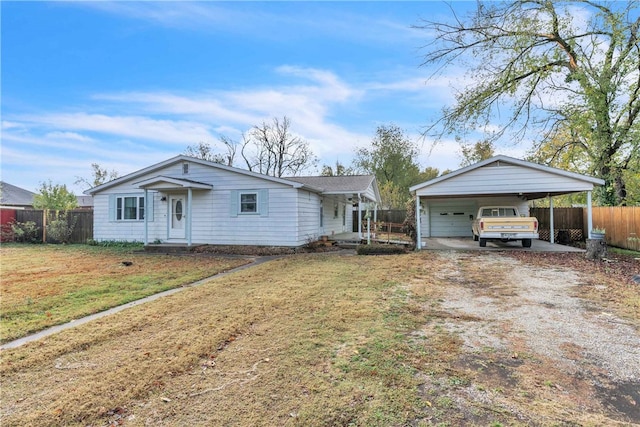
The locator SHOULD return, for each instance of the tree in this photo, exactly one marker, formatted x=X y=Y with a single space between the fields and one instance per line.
x=271 y=149
x=54 y=197
x=99 y=176
x=475 y=153
x=557 y=67
x=391 y=159
x=340 y=170
x=204 y=151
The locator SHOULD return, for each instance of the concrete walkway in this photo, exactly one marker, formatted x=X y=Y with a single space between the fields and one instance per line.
x=76 y=322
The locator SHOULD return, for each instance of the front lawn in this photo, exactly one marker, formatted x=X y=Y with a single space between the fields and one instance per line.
x=46 y=285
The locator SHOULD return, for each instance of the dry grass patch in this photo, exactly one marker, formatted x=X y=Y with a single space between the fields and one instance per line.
x=323 y=344
x=308 y=340
x=46 y=285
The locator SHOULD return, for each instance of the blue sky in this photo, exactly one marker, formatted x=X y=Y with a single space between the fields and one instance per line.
x=128 y=84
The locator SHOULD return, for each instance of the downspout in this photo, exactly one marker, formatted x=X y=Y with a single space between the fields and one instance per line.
x=418 y=231
x=589 y=215
x=146 y=216
x=189 y=194
x=552 y=231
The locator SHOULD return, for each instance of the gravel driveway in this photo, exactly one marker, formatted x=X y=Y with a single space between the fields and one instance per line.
x=528 y=331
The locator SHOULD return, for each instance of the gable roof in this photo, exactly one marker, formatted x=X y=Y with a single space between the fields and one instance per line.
x=183 y=158
x=365 y=185
x=337 y=184
x=526 y=179
x=10 y=195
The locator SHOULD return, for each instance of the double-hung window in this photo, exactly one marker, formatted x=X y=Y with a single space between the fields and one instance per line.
x=129 y=208
x=248 y=203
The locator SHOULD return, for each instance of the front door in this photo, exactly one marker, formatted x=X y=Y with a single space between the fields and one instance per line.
x=177 y=220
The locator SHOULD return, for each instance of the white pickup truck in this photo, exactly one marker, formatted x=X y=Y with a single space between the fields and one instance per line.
x=503 y=223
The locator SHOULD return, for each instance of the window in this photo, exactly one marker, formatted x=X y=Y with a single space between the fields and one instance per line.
x=129 y=208
x=249 y=203
x=185 y=168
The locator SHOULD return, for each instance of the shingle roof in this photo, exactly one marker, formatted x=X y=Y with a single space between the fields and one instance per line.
x=336 y=184
x=10 y=195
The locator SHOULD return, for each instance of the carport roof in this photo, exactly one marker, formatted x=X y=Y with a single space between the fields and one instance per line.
x=503 y=175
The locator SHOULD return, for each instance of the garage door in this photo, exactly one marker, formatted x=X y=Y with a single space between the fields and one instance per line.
x=452 y=219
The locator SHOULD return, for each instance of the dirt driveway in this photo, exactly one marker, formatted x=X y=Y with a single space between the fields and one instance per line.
x=527 y=322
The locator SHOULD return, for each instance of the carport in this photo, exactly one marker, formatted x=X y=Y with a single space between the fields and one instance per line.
x=446 y=206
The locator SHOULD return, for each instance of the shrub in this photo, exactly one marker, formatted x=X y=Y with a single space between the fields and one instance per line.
x=381 y=250
x=59 y=228
x=115 y=243
x=24 y=232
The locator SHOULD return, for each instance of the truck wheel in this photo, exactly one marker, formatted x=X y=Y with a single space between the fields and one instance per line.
x=526 y=243
x=483 y=243
x=475 y=238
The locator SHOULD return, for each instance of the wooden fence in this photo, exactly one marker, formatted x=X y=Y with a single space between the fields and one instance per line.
x=391 y=216
x=82 y=230
x=622 y=225
x=568 y=224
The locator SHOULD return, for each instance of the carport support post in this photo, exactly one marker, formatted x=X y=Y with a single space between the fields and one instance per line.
x=551 y=231
x=418 y=237
x=589 y=215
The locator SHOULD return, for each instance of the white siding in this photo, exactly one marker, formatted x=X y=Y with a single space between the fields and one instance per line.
x=333 y=224
x=308 y=216
x=501 y=178
x=293 y=215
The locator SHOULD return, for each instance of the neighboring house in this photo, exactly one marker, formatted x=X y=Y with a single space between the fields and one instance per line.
x=12 y=197
x=446 y=206
x=192 y=201
x=85 y=202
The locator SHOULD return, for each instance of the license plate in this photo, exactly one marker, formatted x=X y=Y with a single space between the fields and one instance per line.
x=507 y=235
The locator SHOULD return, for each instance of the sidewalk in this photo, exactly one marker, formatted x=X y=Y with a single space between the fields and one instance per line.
x=76 y=322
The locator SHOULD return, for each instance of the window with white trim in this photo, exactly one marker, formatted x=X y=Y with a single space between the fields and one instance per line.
x=129 y=208
x=248 y=203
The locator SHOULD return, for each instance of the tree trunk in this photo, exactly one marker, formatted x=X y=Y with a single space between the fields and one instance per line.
x=596 y=249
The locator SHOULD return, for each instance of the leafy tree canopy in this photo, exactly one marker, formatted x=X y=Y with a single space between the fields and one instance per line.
x=475 y=153
x=391 y=158
x=55 y=197
x=98 y=176
x=339 y=170
x=562 y=74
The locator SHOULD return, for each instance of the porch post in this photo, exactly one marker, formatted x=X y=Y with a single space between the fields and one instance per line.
x=146 y=216
x=552 y=231
x=359 y=216
x=589 y=215
x=189 y=194
x=418 y=232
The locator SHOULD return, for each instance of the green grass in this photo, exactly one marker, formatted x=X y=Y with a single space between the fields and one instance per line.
x=46 y=285
x=621 y=251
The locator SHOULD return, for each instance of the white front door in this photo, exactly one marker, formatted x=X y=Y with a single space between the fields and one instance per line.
x=177 y=219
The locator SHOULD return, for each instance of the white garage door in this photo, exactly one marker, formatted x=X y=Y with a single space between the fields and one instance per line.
x=452 y=219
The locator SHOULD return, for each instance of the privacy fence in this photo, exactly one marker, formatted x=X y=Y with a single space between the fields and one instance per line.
x=81 y=220
x=622 y=224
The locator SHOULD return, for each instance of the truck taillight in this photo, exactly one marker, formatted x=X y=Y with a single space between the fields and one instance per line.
x=535 y=225
x=481 y=225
